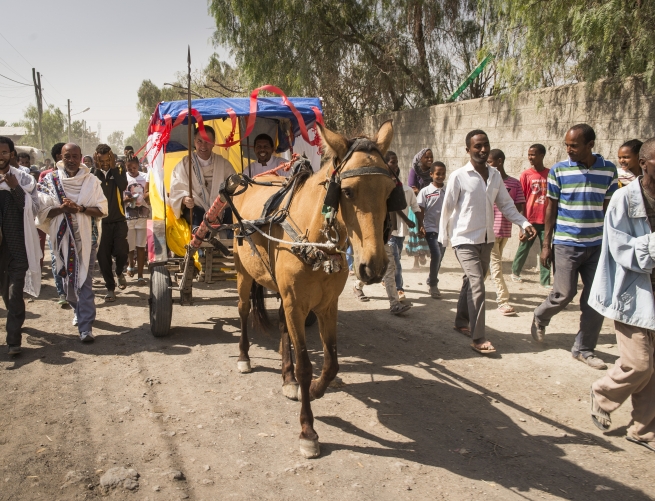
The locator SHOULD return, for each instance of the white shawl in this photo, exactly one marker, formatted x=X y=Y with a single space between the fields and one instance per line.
x=32 y=244
x=222 y=169
x=83 y=189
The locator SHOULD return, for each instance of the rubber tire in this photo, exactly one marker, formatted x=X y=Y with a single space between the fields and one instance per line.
x=311 y=319
x=161 y=301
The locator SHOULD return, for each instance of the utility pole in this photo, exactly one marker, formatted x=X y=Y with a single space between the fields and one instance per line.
x=69 y=120
x=36 y=76
x=83 y=134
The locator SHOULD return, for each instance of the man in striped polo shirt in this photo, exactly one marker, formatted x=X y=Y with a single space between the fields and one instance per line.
x=579 y=190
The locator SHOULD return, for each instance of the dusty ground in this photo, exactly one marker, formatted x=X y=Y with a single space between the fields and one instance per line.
x=421 y=416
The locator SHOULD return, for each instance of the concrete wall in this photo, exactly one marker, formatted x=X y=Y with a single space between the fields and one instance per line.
x=541 y=116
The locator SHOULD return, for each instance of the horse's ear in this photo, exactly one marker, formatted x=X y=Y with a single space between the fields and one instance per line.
x=385 y=135
x=336 y=144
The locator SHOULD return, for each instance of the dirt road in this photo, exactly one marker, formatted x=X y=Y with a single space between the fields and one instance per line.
x=421 y=416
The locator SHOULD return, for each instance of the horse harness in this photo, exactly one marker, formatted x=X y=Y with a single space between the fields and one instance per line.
x=315 y=254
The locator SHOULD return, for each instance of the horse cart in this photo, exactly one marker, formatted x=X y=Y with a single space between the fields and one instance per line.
x=179 y=256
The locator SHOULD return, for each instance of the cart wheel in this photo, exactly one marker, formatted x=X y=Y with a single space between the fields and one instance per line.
x=161 y=301
x=311 y=319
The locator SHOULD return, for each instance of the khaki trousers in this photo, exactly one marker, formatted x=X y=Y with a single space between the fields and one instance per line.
x=496 y=269
x=632 y=375
x=389 y=279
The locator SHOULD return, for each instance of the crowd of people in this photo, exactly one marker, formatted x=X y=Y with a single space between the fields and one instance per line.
x=586 y=230
x=96 y=209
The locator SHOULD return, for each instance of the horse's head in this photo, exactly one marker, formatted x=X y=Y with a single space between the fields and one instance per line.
x=365 y=187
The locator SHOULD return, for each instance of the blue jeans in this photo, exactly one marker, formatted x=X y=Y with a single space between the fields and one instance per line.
x=59 y=283
x=349 y=257
x=397 y=247
x=436 y=255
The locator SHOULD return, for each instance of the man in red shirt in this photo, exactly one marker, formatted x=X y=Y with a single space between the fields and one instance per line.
x=534 y=182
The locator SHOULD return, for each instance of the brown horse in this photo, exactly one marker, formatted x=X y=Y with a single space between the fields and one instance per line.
x=360 y=217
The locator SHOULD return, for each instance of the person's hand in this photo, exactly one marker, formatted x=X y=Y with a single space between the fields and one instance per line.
x=421 y=232
x=112 y=159
x=546 y=256
x=415 y=189
x=188 y=202
x=530 y=232
x=69 y=209
x=523 y=236
x=11 y=180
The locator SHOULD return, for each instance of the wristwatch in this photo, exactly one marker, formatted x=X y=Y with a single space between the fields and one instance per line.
x=83 y=209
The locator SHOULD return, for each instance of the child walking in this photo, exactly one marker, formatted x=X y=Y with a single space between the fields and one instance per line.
x=430 y=200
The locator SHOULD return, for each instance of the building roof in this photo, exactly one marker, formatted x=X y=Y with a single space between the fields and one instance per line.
x=13 y=131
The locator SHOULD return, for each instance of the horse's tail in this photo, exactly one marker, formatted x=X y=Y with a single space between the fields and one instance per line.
x=259 y=314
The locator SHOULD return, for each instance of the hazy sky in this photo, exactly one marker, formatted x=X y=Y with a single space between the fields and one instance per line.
x=97 y=53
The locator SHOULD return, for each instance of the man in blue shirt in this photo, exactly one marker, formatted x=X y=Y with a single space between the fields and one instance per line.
x=579 y=190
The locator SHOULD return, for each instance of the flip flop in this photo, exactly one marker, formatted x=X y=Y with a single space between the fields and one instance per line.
x=484 y=350
x=399 y=308
x=463 y=330
x=110 y=297
x=597 y=412
x=122 y=283
x=640 y=442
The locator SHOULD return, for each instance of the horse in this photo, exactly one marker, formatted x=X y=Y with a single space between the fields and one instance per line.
x=361 y=217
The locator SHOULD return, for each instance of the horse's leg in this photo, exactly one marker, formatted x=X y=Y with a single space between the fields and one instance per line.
x=244 y=284
x=289 y=384
x=309 y=446
x=327 y=325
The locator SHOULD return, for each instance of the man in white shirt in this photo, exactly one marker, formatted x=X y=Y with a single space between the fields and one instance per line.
x=265 y=160
x=467 y=221
x=209 y=172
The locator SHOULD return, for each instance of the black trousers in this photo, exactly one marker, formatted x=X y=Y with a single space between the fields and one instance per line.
x=12 y=282
x=113 y=244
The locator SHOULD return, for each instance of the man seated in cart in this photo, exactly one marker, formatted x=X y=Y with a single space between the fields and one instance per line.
x=209 y=172
x=264 y=148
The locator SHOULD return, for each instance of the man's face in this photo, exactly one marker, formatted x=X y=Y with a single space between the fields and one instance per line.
x=438 y=175
x=133 y=168
x=576 y=147
x=393 y=164
x=479 y=149
x=535 y=157
x=263 y=151
x=648 y=166
x=104 y=161
x=24 y=162
x=497 y=162
x=627 y=158
x=72 y=157
x=204 y=148
x=88 y=161
x=5 y=155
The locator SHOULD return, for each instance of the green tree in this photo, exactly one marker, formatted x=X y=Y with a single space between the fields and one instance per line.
x=3 y=123
x=115 y=140
x=362 y=57
x=557 y=42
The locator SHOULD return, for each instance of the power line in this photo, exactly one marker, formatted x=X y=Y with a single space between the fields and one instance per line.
x=52 y=85
x=21 y=55
x=16 y=81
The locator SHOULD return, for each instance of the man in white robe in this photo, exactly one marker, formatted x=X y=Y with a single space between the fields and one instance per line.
x=20 y=251
x=209 y=172
x=69 y=198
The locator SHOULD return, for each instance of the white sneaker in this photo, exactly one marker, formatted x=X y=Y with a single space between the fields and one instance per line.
x=87 y=337
x=75 y=321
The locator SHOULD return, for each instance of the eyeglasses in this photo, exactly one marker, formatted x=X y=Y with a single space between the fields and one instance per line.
x=5 y=153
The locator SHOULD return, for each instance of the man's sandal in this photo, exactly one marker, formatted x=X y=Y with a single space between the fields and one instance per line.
x=463 y=330
x=485 y=349
x=641 y=442
x=399 y=308
x=601 y=418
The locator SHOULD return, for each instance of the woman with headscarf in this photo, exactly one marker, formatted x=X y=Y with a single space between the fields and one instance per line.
x=419 y=177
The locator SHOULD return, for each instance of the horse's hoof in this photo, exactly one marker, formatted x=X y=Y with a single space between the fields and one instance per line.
x=291 y=391
x=310 y=448
x=244 y=367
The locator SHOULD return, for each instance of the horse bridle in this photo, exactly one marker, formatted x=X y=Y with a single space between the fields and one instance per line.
x=395 y=202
